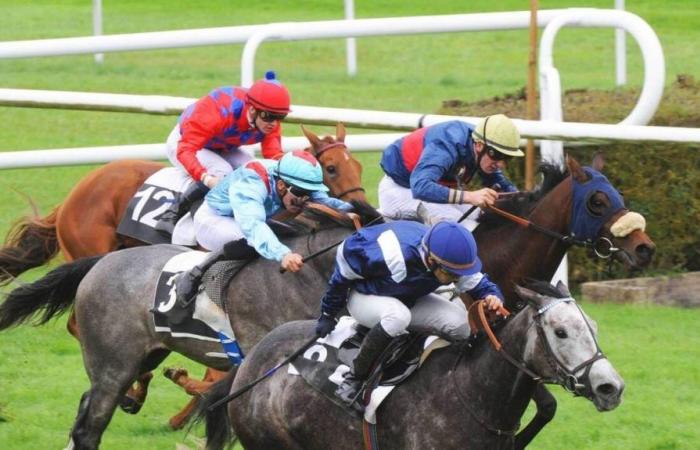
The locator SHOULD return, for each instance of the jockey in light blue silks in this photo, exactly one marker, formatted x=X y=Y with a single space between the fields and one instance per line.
x=432 y=166
x=233 y=217
x=386 y=275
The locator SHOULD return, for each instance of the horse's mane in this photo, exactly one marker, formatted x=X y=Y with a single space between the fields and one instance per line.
x=315 y=217
x=522 y=203
x=543 y=288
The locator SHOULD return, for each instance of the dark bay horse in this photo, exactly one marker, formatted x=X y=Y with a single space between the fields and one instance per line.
x=461 y=397
x=85 y=223
x=552 y=205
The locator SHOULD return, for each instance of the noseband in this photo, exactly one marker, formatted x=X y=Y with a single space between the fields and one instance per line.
x=579 y=386
x=327 y=147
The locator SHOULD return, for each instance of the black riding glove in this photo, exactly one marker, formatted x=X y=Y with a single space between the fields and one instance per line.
x=325 y=325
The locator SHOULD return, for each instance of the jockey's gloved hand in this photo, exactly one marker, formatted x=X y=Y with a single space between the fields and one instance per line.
x=326 y=323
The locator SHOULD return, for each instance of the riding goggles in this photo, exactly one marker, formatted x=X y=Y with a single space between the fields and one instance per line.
x=496 y=155
x=299 y=192
x=269 y=117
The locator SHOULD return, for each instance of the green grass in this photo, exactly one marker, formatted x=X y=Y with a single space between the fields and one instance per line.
x=41 y=374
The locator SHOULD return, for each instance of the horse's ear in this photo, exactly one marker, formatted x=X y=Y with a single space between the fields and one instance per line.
x=313 y=139
x=598 y=161
x=529 y=295
x=340 y=132
x=563 y=289
x=576 y=170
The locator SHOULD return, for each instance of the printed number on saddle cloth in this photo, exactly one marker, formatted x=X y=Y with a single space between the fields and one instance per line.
x=153 y=201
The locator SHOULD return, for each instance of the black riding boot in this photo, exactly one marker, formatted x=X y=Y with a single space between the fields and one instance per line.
x=374 y=344
x=167 y=221
x=187 y=284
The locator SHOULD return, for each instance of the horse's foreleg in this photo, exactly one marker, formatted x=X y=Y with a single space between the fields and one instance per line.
x=136 y=395
x=192 y=387
x=546 y=408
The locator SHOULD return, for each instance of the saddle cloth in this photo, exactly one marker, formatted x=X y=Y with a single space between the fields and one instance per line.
x=324 y=364
x=209 y=321
x=150 y=201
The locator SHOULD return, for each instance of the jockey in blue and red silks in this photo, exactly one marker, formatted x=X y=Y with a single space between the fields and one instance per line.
x=205 y=142
x=232 y=221
x=432 y=166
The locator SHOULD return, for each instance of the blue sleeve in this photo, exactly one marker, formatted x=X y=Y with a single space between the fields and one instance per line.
x=322 y=197
x=478 y=286
x=347 y=268
x=435 y=162
x=497 y=181
x=247 y=196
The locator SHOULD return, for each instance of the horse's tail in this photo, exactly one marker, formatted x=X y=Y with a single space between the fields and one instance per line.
x=218 y=428
x=54 y=294
x=31 y=242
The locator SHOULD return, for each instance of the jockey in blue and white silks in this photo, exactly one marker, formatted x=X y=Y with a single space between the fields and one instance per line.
x=432 y=166
x=386 y=275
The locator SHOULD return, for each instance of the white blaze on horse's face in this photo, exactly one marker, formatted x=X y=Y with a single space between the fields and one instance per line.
x=573 y=343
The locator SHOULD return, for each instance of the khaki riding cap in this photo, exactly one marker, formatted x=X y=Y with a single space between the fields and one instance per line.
x=499 y=132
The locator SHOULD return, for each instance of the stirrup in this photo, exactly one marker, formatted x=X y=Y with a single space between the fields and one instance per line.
x=187 y=288
x=349 y=393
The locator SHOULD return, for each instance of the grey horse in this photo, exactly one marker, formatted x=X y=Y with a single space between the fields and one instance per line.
x=464 y=396
x=113 y=299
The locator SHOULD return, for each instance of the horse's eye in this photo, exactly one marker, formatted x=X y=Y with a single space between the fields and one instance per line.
x=561 y=333
x=330 y=170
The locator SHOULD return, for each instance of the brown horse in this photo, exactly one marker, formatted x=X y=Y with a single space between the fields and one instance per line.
x=85 y=224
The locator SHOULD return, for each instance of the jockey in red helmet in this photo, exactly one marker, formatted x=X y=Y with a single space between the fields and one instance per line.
x=206 y=141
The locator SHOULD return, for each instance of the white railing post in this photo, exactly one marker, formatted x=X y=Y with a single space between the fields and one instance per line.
x=97 y=26
x=350 y=45
x=620 y=50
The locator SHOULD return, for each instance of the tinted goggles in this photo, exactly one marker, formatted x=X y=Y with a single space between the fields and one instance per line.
x=299 y=192
x=496 y=155
x=268 y=116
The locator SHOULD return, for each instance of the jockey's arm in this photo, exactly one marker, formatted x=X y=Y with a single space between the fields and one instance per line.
x=434 y=164
x=196 y=131
x=478 y=286
x=247 y=199
x=323 y=198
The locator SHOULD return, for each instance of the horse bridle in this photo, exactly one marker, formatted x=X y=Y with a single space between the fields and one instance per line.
x=327 y=147
x=567 y=239
x=563 y=376
x=579 y=386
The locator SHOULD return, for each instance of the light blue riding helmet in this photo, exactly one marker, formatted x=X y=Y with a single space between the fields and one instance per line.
x=301 y=169
x=453 y=248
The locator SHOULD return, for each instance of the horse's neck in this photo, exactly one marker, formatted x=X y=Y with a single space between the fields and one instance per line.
x=511 y=253
x=496 y=391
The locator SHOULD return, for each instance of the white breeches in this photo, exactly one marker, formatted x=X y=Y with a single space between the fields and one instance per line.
x=212 y=230
x=397 y=202
x=432 y=314
x=217 y=163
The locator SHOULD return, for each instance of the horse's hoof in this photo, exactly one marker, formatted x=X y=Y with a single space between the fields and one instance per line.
x=129 y=405
x=173 y=373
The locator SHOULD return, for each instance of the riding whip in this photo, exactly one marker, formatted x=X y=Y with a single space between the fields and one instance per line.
x=270 y=372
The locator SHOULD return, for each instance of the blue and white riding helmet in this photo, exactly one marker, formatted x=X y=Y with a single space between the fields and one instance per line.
x=301 y=169
x=453 y=248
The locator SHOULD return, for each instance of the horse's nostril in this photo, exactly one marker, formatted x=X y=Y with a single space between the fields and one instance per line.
x=606 y=389
x=644 y=252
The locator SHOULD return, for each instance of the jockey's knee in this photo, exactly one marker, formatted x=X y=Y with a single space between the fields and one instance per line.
x=396 y=320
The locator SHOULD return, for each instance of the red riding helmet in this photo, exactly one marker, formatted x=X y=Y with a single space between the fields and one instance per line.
x=269 y=95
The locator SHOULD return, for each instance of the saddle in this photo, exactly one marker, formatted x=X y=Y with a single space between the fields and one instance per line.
x=323 y=369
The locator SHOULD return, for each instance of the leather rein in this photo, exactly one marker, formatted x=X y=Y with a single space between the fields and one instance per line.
x=567 y=239
x=327 y=147
x=579 y=386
